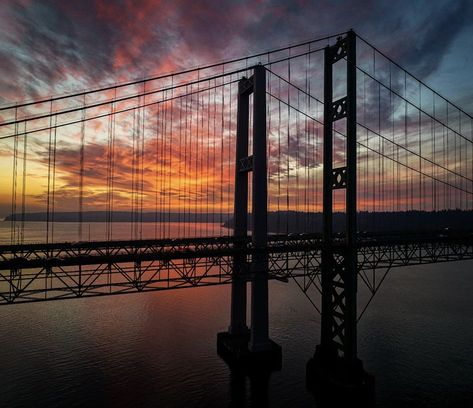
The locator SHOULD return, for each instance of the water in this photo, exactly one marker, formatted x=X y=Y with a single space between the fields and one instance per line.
x=34 y=232
x=159 y=349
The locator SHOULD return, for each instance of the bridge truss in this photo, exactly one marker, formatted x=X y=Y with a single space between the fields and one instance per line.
x=39 y=272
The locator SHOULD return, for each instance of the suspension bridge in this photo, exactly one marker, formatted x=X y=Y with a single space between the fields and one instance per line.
x=323 y=162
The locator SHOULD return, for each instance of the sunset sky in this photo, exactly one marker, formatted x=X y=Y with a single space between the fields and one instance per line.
x=55 y=47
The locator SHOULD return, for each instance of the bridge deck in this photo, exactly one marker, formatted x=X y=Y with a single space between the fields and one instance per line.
x=36 y=272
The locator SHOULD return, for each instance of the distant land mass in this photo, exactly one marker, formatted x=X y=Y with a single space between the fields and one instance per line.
x=402 y=221
x=121 y=216
x=283 y=221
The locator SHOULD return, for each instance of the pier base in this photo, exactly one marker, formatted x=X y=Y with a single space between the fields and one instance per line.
x=333 y=381
x=233 y=349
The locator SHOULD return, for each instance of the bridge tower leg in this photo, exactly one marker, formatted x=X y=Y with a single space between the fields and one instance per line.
x=335 y=368
x=240 y=344
x=238 y=325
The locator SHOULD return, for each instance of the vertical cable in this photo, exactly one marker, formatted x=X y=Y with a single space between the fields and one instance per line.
x=133 y=164
x=81 y=171
x=179 y=178
x=23 y=190
x=288 y=143
x=229 y=141
x=391 y=113
x=268 y=147
x=214 y=148
x=170 y=161
x=366 y=175
x=298 y=215
x=448 y=161
x=112 y=170
x=142 y=154
x=405 y=143
x=109 y=170
x=207 y=170
x=48 y=194
x=157 y=217
x=203 y=175
x=306 y=144
x=186 y=220
x=279 y=159
x=221 y=152
x=197 y=176
x=433 y=129
x=53 y=198
x=164 y=159
x=421 y=187
x=14 y=182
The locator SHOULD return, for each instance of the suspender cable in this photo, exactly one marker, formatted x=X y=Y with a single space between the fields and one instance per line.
x=197 y=157
x=229 y=145
x=53 y=198
x=23 y=189
x=170 y=159
x=14 y=183
x=207 y=193
x=48 y=194
x=81 y=169
x=214 y=148
x=142 y=154
x=279 y=159
x=222 y=152
x=288 y=147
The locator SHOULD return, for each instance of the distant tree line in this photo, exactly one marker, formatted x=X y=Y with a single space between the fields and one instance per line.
x=403 y=221
x=122 y=216
x=284 y=221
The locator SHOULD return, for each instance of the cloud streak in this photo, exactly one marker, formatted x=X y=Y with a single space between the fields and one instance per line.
x=55 y=46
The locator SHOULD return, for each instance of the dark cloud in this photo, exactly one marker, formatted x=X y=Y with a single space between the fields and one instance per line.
x=55 y=46
x=426 y=44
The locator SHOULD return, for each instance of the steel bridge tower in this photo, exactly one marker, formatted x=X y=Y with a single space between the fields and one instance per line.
x=240 y=345
x=335 y=364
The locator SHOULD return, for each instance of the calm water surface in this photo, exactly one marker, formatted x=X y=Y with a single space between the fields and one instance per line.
x=159 y=349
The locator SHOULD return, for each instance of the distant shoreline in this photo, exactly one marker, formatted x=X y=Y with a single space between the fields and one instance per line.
x=119 y=216
x=278 y=222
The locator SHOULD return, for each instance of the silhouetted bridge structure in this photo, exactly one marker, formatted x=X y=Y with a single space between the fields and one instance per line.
x=328 y=128
x=50 y=271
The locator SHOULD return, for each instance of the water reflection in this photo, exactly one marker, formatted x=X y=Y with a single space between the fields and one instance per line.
x=249 y=388
x=35 y=232
x=158 y=349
